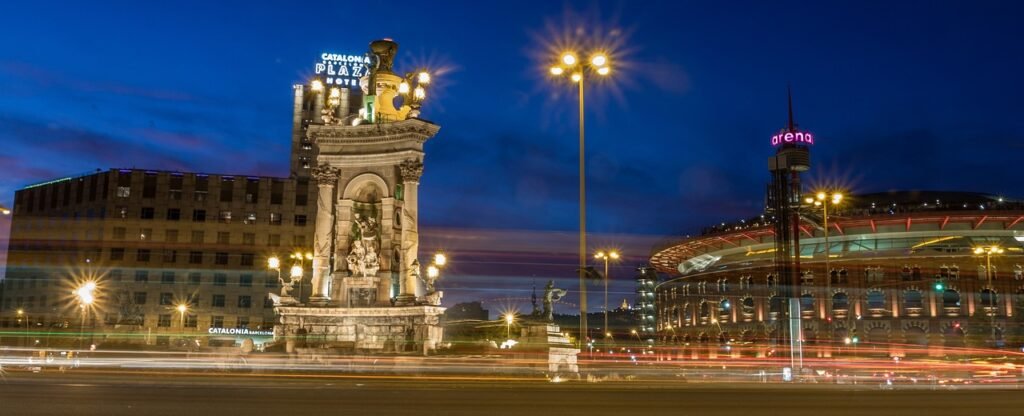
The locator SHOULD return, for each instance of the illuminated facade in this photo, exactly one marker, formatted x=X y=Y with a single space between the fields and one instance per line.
x=904 y=278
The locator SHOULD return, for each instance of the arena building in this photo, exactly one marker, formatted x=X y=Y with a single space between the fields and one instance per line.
x=902 y=273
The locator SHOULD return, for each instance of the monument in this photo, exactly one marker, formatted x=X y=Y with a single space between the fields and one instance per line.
x=540 y=335
x=366 y=272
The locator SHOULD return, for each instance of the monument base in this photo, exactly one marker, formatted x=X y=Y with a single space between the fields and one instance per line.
x=409 y=329
x=547 y=337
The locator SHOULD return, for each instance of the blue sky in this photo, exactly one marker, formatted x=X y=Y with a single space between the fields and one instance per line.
x=921 y=95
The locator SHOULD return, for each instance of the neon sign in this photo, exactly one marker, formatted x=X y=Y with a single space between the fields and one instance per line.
x=342 y=70
x=797 y=137
x=239 y=331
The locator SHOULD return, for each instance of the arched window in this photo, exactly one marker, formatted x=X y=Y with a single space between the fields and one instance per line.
x=950 y=299
x=775 y=306
x=840 y=302
x=989 y=298
x=913 y=299
x=876 y=299
x=748 y=305
x=807 y=303
x=705 y=310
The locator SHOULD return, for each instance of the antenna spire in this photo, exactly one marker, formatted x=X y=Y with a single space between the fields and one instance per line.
x=789 y=98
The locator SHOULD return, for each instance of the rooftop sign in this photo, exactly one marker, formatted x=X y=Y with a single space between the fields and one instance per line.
x=239 y=331
x=342 y=70
x=792 y=137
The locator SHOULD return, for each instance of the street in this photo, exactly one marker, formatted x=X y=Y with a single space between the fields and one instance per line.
x=136 y=393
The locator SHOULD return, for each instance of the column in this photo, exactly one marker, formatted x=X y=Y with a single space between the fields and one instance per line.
x=326 y=180
x=411 y=171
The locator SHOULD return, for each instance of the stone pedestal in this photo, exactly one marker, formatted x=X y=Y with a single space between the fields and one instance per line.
x=412 y=329
x=547 y=337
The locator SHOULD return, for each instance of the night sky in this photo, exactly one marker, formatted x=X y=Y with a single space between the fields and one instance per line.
x=900 y=95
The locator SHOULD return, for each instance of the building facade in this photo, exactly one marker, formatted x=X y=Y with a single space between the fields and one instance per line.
x=152 y=240
x=904 y=276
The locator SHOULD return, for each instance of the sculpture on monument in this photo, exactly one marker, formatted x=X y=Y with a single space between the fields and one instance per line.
x=362 y=259
x=551 y=295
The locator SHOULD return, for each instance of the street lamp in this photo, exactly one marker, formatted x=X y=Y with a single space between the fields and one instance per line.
x=296 y=271
x=509 y=319
x=988 y=252
x=568 y=63
x=182 y=308
x=86 y=295
x=611 y=255
x=822 y=199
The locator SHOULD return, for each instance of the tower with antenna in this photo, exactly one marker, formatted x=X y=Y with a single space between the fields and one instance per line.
x=792 y=156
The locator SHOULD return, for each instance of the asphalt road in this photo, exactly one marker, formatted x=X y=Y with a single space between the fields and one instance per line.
x=112 y=394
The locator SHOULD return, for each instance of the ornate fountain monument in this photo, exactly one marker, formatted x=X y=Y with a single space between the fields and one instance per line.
x=366 y=273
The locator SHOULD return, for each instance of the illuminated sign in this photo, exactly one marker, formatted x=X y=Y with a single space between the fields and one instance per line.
x=797 y=137
x=239 y=331
x=340 y=69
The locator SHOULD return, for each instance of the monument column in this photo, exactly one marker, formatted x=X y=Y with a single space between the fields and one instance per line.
x=411 y=171
x=326 y=179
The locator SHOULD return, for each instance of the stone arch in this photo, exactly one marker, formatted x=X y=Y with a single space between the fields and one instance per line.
x=916 y=333
x=354 y=188
x=877 y=333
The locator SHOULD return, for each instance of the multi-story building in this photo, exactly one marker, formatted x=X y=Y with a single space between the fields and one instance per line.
x=151 y=241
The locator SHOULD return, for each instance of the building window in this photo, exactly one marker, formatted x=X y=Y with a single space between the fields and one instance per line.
x=250 y=218
x=220 y=258
x=220 y=279
x=147 y=213
x=167 y=278
x=170 y=256
x=270 y=282
x=194 y=278
x=276 y=192
x=247 y=259
x=195 y=257
x=124 y=191
x=171 y=236
x=300 y=220
x=142 y=255
x=245 y=301
x=275 y=218
x=191 y=321
x=142 y=276
x=218 y=301
x=223 y=237
x=227 y=186
x=173 y=214
x=249 y=239
x=197 y=237
x=145 y=233
x=139 y=298
x=299 y=240
x=243 y=322
x=199 y=196
x=119 y=233
x=274 y=240
x=225 y=217
x=116 y=275
x=245 y=280
x=199 y=215
x=164 y=321
x=122 y=212
x=217 y=322
x=166 y=299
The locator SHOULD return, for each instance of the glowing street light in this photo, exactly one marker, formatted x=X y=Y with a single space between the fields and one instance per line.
x=509 y=319
x=606 y=256
x=433 y=271
x=86 y=295
x=440 y=259
x=988 y=252
x=821 y=199
x=4 y=210
x=182 y=308
x=599 y=63
x=317 y=85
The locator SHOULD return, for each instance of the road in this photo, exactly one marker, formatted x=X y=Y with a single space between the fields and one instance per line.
x=121 y=393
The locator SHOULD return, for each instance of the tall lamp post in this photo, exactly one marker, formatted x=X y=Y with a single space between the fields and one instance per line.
x=611 y=255
x=822 y=199
x=578 y=71
x=86 y=295
x=988 y=252
x=297 y=269
x=182 y=308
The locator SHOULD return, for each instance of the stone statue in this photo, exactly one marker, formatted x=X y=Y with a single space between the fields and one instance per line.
x=551 y=295
x=414 y=270
x=355 y=258
x=371 y=262
x=385 y=51
x=428 y=282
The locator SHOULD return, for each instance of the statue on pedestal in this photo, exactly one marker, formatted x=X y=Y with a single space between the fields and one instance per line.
x=551 y=295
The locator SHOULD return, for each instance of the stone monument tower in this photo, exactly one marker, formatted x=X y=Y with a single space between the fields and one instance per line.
x=366 y=241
